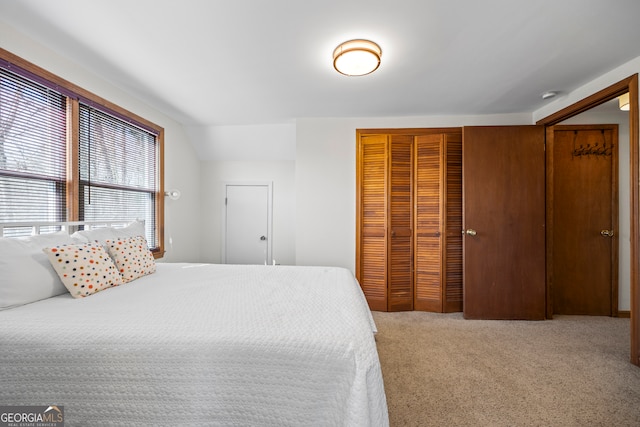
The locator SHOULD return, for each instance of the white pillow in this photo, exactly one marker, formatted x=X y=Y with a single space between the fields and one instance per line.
x=101 y=235
x=84 y=268
x=27 y=275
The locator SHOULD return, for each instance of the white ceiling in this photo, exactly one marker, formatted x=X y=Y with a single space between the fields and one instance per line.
x=247 y=62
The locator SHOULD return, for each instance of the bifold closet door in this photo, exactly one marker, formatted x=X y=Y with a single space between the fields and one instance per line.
x=409 y=242
x=438 y=222
x=385 y=268
x=428 y=245
x=372 y=180
x=452 y=286
x=400 y=268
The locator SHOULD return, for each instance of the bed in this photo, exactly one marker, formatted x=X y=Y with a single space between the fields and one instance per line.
x=193 y=344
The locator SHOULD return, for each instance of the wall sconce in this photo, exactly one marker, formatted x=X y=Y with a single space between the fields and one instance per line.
x=357 y=57
x=623 y=101
x=172 y=194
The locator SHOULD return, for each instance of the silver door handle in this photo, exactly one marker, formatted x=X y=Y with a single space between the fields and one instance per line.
x=471 y=232
x=263 y=238
x=606 y=233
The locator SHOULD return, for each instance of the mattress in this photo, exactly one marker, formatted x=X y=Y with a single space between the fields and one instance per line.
x=201 y=344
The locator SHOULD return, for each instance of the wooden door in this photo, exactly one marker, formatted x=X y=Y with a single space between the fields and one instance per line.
x=452 y=256
x=438 y=221
x=504 y=221
x=583 y=219
x=400 y=268
x=428 y=221
x=371 y=269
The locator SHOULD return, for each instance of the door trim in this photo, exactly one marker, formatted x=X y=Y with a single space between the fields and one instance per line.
x=223 y=231
x=630 y=84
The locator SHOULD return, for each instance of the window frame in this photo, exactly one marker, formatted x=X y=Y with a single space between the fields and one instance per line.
x=75 y=95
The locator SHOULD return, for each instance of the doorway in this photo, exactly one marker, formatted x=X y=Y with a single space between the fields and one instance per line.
x=247 y=230
x=629 y=85
x=582 y=219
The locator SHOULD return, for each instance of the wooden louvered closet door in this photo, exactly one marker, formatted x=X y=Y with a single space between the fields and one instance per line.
x=372 y=223
x=409 y=220
x=452 y=284
x=429 y=239
x=438 y=223
x=400 y=269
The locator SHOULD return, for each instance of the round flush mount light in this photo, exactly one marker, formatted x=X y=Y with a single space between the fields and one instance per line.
x=357 y=57
x=550 y=94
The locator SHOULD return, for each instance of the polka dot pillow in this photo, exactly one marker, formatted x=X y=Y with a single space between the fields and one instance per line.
x=84 y=269
x=132 y=257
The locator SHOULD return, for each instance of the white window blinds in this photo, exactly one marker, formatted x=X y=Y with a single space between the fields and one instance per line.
x=69 y=155
x=118 y=171
x=33 y=134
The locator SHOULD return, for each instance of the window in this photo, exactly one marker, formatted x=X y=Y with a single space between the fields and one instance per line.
x=117 y=170
x=32 y=151
x=68 y=155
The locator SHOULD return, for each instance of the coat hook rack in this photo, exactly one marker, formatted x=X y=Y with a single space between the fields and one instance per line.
x=589 y=150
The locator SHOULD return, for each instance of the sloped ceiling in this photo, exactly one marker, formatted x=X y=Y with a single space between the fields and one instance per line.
x=251 y=62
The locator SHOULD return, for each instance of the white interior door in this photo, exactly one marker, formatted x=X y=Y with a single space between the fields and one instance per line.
x=247 y=224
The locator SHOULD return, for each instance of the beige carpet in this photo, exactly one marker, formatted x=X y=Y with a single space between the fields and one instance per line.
x=443 y=370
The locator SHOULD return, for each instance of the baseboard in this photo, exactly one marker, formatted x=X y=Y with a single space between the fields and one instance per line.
x=625 y=314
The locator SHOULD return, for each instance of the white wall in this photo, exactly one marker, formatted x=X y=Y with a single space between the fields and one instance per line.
x=240 y=142
x=325 y=180
x=181 y=163
x=614 y=76
x=281 y=173
x=254 y=153
x=182 y=216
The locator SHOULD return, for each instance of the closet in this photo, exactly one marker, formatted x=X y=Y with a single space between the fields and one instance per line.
x=409 y=218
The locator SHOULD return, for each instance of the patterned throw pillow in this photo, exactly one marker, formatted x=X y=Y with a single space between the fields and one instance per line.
x=84 y=268
x=132 y=257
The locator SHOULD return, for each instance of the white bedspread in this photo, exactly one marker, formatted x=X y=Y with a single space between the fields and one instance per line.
x=201 y=345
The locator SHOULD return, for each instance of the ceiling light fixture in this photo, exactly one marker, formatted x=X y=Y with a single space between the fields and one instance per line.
x=357 y=57
x=623 y=101
x=550 y=94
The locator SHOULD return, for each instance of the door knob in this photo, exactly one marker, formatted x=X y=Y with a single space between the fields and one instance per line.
x=607 y=233
x=471 y=232
x=263 y=238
